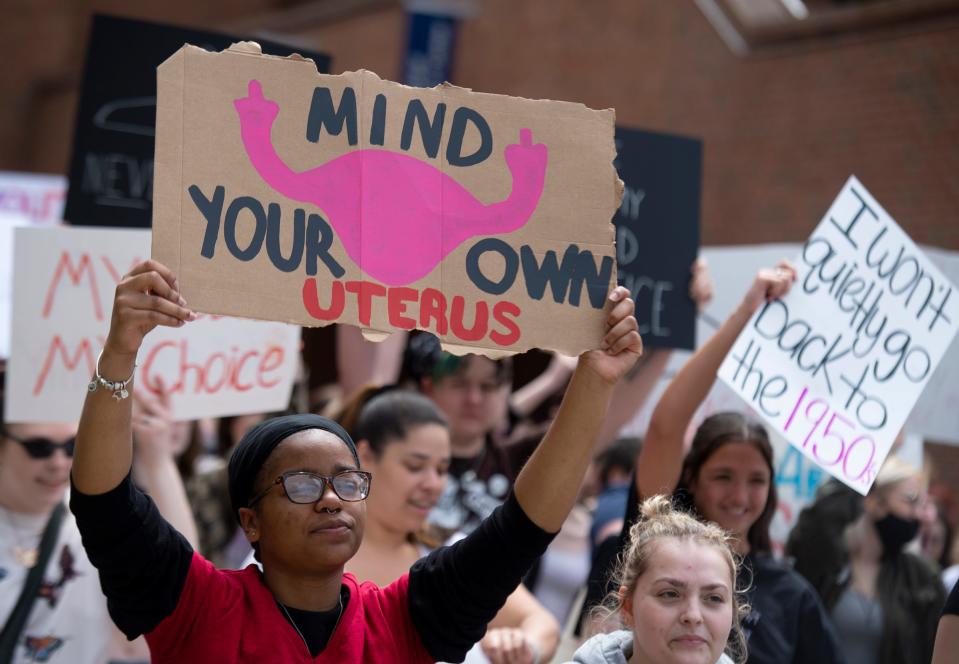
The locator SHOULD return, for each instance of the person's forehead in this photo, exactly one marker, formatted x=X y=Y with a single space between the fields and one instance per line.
x=423 y=439
x=696 y=563
x=738 y=455
x=477 y=367
x=908 y=488
x=56 y=431
x=313 y=449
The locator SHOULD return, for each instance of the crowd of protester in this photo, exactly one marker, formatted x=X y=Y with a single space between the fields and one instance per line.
x=432 y=512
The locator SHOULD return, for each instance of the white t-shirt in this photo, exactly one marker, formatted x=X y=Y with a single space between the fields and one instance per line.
x=68 y=623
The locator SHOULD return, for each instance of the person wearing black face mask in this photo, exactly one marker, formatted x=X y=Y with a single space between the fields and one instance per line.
x=895 y=532
x=884 y=601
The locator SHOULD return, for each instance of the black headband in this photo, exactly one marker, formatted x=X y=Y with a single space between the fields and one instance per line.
x=260 y=441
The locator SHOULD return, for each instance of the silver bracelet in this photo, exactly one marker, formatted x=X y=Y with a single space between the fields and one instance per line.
x=119 y=388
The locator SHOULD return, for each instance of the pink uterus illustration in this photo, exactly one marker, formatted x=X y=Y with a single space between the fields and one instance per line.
x=397 y=217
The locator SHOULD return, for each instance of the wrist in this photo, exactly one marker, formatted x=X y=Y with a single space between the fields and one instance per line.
x=592 y=377
x=116 y=365
x=151 y=464
x=746 y=308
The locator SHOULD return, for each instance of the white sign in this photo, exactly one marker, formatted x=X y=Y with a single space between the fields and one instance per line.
x=36 y=196
x=8 y=222
x=64 y=280
x=837 y=365
x=732 y=268
x=936 y=414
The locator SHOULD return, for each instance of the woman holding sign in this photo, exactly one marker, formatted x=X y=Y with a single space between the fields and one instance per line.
x=727 y=478
x=299 y=493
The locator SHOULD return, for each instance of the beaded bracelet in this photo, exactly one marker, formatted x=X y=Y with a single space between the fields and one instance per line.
x=119 y=388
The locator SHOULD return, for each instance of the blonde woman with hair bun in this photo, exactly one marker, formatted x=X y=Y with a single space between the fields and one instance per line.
x=677 y=600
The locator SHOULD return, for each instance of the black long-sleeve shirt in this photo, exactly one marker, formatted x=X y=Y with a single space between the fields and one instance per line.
x=453 y=593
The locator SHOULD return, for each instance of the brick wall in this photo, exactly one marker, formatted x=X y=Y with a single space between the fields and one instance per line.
x=782 y=131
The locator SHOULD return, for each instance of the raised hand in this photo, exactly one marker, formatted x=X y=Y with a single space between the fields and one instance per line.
x=155 y=435
x=701 y=285
x=622 y=345
x=146 y=297
x=770 y=284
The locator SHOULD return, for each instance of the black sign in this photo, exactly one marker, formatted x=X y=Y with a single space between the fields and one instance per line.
x=657 y=232
x=429 y=52
x=111 y=170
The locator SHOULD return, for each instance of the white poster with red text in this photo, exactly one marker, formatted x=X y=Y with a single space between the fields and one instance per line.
x=37 y=196
x=836 y=366
x=25 y=199
x=64 y=280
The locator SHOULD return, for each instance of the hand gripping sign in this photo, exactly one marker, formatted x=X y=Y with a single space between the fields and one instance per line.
x=837 y=365
x=284 y=194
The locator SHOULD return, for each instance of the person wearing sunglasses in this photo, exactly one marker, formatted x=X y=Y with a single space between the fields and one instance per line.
x=35 y=465
x=297 y=491
x=51 y=605
x=56 y=618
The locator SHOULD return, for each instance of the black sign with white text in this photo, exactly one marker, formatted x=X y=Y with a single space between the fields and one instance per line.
x=657 y=232
x=111 y=170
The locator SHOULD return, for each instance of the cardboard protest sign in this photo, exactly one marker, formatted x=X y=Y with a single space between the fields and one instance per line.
x=111 y=170
x=64 y=279
x=287 y=195
x=837 y=365
x=36 y=196
x=657 y=231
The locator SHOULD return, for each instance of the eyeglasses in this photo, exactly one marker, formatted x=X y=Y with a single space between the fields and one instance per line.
x=303 y=487
x=42 y=448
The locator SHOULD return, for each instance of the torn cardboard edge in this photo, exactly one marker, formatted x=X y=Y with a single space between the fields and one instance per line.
x=378 y=336
x=253 y=48
x=250 y=47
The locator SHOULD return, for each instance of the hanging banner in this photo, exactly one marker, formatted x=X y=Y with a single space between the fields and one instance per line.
x=837 y=365
x=284 y=194
x=64 y=281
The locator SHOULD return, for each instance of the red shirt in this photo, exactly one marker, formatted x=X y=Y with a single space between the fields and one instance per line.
x=226 y=616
